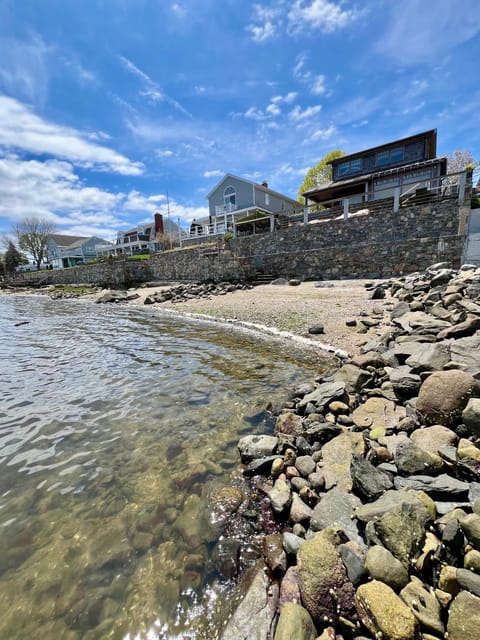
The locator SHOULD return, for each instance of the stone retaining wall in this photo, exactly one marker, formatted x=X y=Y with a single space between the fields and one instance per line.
x=382 y=243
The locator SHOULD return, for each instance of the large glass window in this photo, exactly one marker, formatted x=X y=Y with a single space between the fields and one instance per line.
x=390 y=156
x=353 y=166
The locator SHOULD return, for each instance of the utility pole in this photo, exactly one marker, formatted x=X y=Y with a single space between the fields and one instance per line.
x=168 y=218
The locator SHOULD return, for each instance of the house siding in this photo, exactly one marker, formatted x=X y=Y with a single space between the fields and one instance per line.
x=243 y=192
x=274 y=202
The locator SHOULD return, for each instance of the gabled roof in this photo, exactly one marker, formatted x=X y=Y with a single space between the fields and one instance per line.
x=252 y=183
x=67 y=241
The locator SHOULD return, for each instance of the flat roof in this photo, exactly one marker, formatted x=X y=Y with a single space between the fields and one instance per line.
x=431 y=134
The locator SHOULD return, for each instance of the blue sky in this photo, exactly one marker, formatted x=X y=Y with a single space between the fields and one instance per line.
x=107 y=105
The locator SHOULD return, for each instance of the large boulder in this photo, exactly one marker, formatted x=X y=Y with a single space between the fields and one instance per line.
x=384 y=614
x=258 y=599
x=295 y=623
x=251 y=447
x=433 y=438
x=378 y=412
x=444 y=395
x=464 y=617
x=326 y=591
x=336 y=456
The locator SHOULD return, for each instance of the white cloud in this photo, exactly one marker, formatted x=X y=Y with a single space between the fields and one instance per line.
x=324 y=134
x=288 y=98
x=215 y=173
x=299 y=69
x=52 y=190
x=323 y=15
x=179 y=9
x=151 y=89
x=273 y=109
x=431 y=33
x=299 y=115
x=21 y=129
x=264 y=27
x=164 y=153
x=255 y=114
x=318 y=87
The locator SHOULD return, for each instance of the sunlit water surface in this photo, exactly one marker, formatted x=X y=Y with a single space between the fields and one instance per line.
x=113 y=423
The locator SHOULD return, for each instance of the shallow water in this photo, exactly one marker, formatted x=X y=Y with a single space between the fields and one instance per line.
x=114 y=424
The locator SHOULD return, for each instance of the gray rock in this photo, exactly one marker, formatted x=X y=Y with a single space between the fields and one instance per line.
x=367 y=481
x=399 y=309
x=468 y=581
x=411 y=459
x=442 y=485
x=471 y=528
x=402 y=531
x=295 y=623
x=274 y=553
x=289 y=423
x=460 y=330
x=292 y=543
x=391 y=500
x=424 y=605
x=323 y=394
x=433 y=438
x=471 y=415
x=256 y=447
x=305 y=465
x=471 y=561
x=444 y=395
x=299 y=483
x=316 y=329
x=336 y=509
x=464 y=617
x=299 y=511
x=421 y=322
x=326 y=591
x=257 y=598
x=466 y=351
x=353 y=557
x=354 y=378
x=404 y=383
x=280 y=496
x=382 y=565
x=378 y=412
x=336 y=459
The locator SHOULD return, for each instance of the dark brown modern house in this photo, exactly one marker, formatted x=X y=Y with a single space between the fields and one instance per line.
x=377 y=172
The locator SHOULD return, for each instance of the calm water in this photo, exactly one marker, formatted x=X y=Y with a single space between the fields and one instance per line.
x=114 y=424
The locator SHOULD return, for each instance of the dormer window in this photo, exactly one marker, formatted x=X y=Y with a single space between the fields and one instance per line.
x=353 y=166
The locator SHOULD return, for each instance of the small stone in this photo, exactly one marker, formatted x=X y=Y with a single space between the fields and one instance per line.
x=471 y=528
x=464 y=617
x=447 y=580
x=294 y=623
x=316 y=329
x=305 y=465
x=292 y=543
x=280 y=496
x=277 y=467
x=472 y=561
x=274 y=553
x=424 y=605
x=289 y=423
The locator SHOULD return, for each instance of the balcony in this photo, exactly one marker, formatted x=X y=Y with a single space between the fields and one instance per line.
x=222 y=209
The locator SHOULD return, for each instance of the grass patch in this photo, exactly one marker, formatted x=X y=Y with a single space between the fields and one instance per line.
x=71 y=288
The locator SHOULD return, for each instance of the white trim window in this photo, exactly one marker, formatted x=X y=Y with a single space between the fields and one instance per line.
x=267 y=199
x=229 y=196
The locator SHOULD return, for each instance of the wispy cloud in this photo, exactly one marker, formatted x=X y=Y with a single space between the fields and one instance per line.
x=151 y=89
x=431 y=33
x=297 y=114
x=24 y=70
x=318 y=87
x=215 y=173
x=21 y=129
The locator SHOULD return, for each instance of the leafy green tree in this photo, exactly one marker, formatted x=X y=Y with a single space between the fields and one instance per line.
x=32 y=235
x=319 y=174
x=13 y=258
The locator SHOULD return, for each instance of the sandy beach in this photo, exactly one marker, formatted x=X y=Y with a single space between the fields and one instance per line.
x=284 y=310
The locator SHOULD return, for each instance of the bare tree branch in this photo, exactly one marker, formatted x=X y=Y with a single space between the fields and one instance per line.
x=32 y=235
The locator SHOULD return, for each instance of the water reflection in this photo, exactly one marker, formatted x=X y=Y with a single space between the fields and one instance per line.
x=114 y=426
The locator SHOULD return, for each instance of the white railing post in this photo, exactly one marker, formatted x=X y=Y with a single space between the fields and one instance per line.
x=305 y=215
x=462 y=183
x=272 y=224
x=346 y=204
x=396 y=199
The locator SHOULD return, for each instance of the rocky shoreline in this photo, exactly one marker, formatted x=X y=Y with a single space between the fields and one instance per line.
x=371 y=483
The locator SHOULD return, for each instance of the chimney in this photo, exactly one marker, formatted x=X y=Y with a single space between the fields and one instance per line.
x=159 y=229
x=265 y=184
